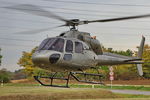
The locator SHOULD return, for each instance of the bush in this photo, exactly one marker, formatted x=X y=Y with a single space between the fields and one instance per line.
x=5 y=76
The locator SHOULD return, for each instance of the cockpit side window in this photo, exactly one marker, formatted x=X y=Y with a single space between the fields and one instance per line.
x=78 y=47
x=69 y=46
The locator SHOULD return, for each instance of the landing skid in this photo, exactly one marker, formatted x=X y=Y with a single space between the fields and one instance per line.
x=52 y=78
x=74 y=75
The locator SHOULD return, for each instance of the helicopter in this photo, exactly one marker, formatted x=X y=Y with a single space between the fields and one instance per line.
x=74 y=51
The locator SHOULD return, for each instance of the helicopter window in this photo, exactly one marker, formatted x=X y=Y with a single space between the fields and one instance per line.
x=67 y=57
x=43 y=45
x=78 y=47
x=69 y=46
x=56 y=44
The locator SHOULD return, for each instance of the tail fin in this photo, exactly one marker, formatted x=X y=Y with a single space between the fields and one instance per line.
x=140 y=52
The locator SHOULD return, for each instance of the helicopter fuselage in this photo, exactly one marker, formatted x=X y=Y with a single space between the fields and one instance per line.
x=74 y=55
x=76 y=51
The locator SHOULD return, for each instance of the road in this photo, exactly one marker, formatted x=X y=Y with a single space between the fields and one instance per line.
x=131 y=92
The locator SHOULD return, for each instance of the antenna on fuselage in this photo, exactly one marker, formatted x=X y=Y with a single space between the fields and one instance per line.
x=47 y=36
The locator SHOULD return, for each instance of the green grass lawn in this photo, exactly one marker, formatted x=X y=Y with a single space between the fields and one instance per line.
x=131 y=87
x=36 y=92
x=141 y=88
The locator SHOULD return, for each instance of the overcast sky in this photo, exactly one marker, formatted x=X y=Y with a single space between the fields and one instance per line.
x=121 y=35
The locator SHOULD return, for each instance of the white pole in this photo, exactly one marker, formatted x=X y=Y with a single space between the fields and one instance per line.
x=2 y=83
x=93 y=86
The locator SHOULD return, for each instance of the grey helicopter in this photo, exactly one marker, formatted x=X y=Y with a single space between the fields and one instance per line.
x=74 y=51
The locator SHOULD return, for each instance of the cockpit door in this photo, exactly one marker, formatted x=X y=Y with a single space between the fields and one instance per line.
x=79 y=58
x=82 y=56
x=68 y=51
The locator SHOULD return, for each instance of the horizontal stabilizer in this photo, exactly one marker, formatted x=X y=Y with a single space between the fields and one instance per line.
x=132 y=60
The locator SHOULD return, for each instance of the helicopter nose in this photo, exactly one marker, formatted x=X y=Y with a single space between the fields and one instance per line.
x=39 y=59
x=54 y=58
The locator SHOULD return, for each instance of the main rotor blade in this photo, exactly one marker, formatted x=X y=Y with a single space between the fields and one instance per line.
x=119 y=19
x=32 y=31
x=36 y=10
x=36 y=31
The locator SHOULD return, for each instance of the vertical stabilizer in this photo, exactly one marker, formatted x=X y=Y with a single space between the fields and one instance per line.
x=140 y=52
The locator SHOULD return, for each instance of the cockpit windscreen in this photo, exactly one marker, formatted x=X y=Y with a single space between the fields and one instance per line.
x=56 y=44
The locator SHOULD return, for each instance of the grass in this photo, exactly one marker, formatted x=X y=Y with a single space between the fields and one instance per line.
x=141 y=88
x=131 y=87
x=36 y=92
x=47 y=93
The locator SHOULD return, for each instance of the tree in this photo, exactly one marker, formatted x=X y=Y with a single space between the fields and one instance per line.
x=5 y=76
x=127 y=72
x=120 y=52
x=146 y=65
x=122 y=72
x=26 y=62
x=29 y=68
x=18 y=74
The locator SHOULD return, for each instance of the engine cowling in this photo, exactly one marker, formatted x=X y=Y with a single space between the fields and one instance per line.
x=94 y=44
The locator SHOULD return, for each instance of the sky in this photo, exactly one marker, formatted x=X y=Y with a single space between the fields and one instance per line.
x=121 y=35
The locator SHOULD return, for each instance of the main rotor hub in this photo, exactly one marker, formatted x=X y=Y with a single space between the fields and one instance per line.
x=75 y=20
x=73 y=23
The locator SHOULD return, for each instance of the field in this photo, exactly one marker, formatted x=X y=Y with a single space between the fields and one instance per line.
x=22 y=91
